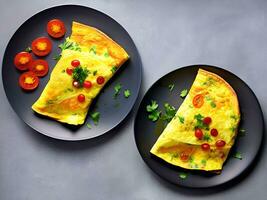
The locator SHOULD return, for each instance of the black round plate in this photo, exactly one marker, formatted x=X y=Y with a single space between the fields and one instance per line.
x=147 y=132
x=112 y=111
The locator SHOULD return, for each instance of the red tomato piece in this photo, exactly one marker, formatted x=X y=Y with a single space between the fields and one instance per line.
x=205 y=146
x=56 y=28
x=75 y=63
x=207 y=120
x=39 y=67
x=214 y=132
x=87 y=84
x=184 y=156
x=81 y=98
x=23 y=60
x=69 y=70
x=198 y=101
x=198 y=133
x=220 y=143
x=28 y=81
x=41 y=46
x=100 y=80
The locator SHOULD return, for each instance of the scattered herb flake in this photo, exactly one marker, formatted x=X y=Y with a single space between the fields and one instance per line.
x=28 y=49
x=212 y=104
x=117 y=89
x=93 y=49
x=89 y=125
x=94 y=72
x=238 y=155
x=183 y=175
x=127 y=93
x=171 y=86
x=69 y=45
x=154 y=115
x=63 y=70
x=57 y=57
x=181 y=119
x=183 y=93
x=95 y=117
x=203 y=162
x=206 y=137
x=169 y=112
x=106 y=54
x=114 y=69
x=153 y=106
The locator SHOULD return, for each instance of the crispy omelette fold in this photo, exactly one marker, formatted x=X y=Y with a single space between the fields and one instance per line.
x=99 y=55
x=180 y=145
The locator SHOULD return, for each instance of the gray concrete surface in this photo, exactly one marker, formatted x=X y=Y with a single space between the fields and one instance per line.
x=168 y=34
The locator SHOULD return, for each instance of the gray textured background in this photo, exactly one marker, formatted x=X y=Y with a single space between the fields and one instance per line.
x=168 y=34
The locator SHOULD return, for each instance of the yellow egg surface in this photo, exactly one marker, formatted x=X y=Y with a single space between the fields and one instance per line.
x=211 y=97
x=99 y=55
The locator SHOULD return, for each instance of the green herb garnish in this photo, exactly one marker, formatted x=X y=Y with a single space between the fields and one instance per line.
x=117 y=89
x=95 y=117
x=127 y=93
x=200 y=124
x=94 y=72
x=233 y=129
x=238 y=155
x=80 y=74
x=183 y=93
x=212 y=104
x=204 y=162
x=56 y=57
x=93 y=49
x=153 y=106
x=171 y=86
x=183 y=175
x=114 y=69
x=28 y=49
x=106 y=54
x=89 y=125
x=181 y=119
x=63 y=70
x=206 y=137
x=169 y=112
x=69 y=45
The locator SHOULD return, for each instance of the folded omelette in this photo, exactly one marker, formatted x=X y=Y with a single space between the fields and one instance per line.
x=204 y=128
x=98 y=55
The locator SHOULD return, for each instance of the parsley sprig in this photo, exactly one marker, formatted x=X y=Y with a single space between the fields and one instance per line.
x=183 y=93
x=169 y=112
x=152 y=109
x=117 y=90
x=80 y=74
x=95 y=116
x=199 y=123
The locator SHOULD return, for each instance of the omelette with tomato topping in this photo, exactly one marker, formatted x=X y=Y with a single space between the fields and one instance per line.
x=89 y=58
x=203 y=139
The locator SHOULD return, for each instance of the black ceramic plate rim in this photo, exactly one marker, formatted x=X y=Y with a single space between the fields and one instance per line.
x=158 y=80
x=127 y=111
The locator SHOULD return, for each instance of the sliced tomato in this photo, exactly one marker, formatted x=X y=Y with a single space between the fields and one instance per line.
x=39 y=67
x=28 y=81
x=41 y=46
x=23 y=60
x=56 y=28
x=198 y=101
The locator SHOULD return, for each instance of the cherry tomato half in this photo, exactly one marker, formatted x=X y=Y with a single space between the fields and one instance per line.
x=75 y=63
x=205 y=146
x=207 y=120
x=81 y=98
x=39 y=67
x=220 y=143
x=28 y=81
x=69 y=70
x=184 y=156
x=23 y=60
x=41 y=46
x=56 y=28
x=100 y=80
x=87 y=84
x=198 y=101
x=214 y=132
x=198 y=133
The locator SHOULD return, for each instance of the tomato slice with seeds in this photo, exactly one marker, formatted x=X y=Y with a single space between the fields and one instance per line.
x=56 y=28
x=23 y=60
x=28 y=81
x=39 y=67
x=41 y=46
x=198 y=101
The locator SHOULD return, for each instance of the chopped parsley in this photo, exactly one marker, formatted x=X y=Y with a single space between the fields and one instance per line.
x=212 y=104
x=95 y=116
x=183 y=93
x=174 y=155
x=200 y=124
x=153 y=106
x=63 y=70
x=80 y=74
x=69 y=45
x=117 y=89
x=89 y=125
x=127 y=93
x=183 y=175
x=171 y=86
x=206 y=137
x=233 y=129
x=106 y=54
x=94 y=72
x=114 y=69
x=169 y=112
x=203 y=162
x=28 y=49
x=238 y=155
x=93 y=49
x=181 y=119
x=154 y=114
